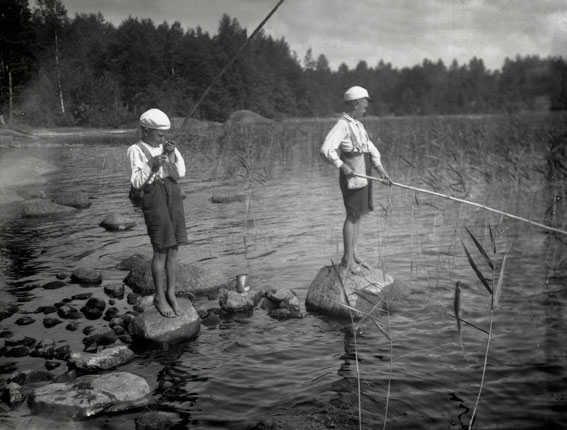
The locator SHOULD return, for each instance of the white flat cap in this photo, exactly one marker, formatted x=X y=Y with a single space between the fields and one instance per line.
x=155 y=119
x=355 y=93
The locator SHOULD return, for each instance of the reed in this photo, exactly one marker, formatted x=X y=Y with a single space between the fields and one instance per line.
x=494 y=288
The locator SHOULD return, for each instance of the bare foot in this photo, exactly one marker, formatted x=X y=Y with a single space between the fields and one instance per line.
x=163 y=308
x=172 y=300
x=356 y=270
x=362 y=263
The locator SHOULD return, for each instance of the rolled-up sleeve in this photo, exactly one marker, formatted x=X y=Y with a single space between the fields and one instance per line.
x=330 y=148
x=139 y=167
x=374 y=154
x=176 y=169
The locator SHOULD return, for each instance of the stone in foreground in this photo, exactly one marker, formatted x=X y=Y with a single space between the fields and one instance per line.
x=91 y=395
x=326 y=294
x=153 y=328
x=104 y=360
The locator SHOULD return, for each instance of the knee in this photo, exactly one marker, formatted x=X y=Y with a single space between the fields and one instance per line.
x=352 y=218
x=171 y=255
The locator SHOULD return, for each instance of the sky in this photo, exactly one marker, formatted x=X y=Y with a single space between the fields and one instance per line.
x=400 y=32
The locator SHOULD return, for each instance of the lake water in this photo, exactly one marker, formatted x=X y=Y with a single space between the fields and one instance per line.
x=250 y=367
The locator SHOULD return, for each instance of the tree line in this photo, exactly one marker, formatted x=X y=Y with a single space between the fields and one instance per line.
x=85 y=71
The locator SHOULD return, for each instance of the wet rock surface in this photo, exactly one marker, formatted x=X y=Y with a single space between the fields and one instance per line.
x=327 y=296
x=117 y=222
x=192 y=280
x=151 y=328
x=90 y=395
x=106 y=359
x=43 y=207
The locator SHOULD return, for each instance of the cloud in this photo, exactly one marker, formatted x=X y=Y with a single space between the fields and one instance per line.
x=401 y=32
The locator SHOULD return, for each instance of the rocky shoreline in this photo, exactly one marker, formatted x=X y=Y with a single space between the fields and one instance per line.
x=83 y=380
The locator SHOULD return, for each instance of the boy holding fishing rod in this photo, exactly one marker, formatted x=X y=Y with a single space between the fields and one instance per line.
x=348 y=148
x=156 y=166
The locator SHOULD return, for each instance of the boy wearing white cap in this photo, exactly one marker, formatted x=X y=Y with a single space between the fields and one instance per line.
x=348 y=148
x=156 y=166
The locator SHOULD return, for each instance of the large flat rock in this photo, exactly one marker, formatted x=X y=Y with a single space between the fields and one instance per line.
x=150 y=327
x=91 y=395
x=365 y=292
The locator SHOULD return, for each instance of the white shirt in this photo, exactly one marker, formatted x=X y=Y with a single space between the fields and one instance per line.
x=339 y=140
x=141 y=170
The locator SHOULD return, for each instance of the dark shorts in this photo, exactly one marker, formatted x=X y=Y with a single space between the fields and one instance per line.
x=162 y=206
x=357 y=202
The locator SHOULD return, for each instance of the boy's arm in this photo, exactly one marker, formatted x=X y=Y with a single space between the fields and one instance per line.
x=384 y=175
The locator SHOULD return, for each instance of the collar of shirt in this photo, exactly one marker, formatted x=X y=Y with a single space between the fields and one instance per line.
x=351 y=119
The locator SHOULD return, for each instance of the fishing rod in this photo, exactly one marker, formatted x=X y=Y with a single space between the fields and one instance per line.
x=225 y=68
x=421 y=190
x=215 y=80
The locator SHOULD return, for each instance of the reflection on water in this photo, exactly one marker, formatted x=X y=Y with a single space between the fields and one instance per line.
x=249 y=366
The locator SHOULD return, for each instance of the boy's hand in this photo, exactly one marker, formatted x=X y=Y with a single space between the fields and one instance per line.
x=157 y=161
x=347 y=171
x=168 y=147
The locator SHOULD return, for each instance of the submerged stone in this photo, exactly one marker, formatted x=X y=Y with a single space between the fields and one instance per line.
x=365 y=292
x=157 y=420
x=228 y=198
x=90 y=395
x=7 y=310
x=192 y=280
x=75 y=199
x=43 y=207
x=116 y=222
x=86 y=276
x=54 y=285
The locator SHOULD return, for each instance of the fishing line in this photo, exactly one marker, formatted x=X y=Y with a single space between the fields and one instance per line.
x=225 y=68
x=421 y=190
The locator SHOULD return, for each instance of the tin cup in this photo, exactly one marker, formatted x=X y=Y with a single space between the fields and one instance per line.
x=241 y=286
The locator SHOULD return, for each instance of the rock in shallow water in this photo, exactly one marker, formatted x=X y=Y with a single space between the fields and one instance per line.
x=151 y=327
x=83 y=275
x=106 y=359
x=91 y=395
x=192 y=279
x=326 y=295
x=43 y=207
x=116 y=222
x=233 y=301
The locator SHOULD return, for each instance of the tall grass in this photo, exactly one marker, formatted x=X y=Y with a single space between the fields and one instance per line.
x=516 y=160
x=493 y=285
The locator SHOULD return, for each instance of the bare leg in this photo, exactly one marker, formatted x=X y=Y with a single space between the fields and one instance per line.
x=158 y=274
x=350 y=228
x=171 y=273
x=355 y=255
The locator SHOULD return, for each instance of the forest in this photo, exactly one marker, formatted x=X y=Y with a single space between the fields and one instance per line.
x=84 y=71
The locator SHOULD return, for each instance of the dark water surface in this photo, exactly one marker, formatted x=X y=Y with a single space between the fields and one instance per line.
x=250 y=366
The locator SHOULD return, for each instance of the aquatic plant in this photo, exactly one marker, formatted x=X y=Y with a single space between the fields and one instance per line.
x=493 y=286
